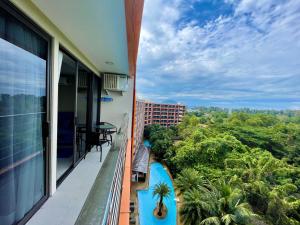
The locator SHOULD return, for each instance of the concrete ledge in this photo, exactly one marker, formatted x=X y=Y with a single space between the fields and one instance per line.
x=94 y=207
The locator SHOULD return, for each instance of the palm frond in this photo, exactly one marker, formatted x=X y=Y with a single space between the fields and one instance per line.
x=228 y=219
x=214 y=220
x=161 y=190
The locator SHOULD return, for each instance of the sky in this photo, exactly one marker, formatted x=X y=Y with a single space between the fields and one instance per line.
x=225 y=53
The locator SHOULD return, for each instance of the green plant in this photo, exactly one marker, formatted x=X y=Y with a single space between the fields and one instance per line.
x=188 y=178
x=162 y=191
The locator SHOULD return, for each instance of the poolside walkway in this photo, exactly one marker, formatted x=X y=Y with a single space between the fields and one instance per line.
x=140 y=186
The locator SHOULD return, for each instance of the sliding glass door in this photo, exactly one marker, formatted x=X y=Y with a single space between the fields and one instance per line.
x=23 y=115
x=76 y=98
x=81 y=111
x=96 y=100
x=66 y=115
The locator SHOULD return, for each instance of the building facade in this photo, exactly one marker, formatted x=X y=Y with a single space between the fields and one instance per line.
x=139 y=123
x=164 y=114
x=59 y=60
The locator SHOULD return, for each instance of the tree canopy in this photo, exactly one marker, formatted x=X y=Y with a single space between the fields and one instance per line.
x=238 y=167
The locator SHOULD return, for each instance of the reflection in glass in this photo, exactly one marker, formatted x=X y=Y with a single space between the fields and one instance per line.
x=22 y=145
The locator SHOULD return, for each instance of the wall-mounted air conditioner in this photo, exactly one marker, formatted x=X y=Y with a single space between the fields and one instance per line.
x=115 y=82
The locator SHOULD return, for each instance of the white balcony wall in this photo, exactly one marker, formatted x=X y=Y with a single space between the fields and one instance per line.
x=113 y=112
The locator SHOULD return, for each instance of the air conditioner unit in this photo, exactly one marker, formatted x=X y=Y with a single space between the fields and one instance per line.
x=115 y=82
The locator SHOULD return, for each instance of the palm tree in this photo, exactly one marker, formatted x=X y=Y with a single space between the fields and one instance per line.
x=187 y=179
x=215 y=205
x=231 y=208
x=161 y=190
x=196 y=206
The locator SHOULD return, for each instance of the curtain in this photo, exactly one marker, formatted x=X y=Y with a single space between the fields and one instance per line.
x=22 y=112
x=60 y=59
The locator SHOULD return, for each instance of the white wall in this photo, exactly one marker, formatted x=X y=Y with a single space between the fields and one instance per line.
x=113 y=112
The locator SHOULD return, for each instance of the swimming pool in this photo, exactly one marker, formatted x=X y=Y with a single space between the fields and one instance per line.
x=147 y=203
x=147 y=144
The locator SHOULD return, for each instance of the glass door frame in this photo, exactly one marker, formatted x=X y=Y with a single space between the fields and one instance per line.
x=18 y=15
x=68 y=171
x=89 y=112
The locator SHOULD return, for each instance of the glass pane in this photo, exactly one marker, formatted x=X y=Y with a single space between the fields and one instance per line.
x=23 y=37
x=2 y=25
x=82 y=98
x=96 y=104
x=66 y=114
x=22 y=145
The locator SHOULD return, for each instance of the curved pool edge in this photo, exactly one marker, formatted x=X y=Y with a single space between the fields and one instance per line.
x=158 y=173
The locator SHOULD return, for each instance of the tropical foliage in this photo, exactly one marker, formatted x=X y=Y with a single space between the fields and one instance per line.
x=220 y=204
x=237 y=167
x=160 y=139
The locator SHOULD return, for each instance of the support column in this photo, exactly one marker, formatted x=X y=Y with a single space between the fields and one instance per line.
x=54 y=77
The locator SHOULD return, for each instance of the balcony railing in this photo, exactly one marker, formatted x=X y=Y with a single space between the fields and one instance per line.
x=111 y=214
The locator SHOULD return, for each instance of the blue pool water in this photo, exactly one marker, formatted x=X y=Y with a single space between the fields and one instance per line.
x=147 y=143
x=147 y=203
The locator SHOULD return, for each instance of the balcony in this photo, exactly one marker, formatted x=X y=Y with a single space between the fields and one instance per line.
x=91 y=193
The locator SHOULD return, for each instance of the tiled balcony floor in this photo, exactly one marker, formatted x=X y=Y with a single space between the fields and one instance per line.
x=64 y=207
x=93 y=210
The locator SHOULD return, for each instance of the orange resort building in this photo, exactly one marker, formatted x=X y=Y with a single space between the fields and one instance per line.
x=67 y=109
x=139 y=123
x=164 y=114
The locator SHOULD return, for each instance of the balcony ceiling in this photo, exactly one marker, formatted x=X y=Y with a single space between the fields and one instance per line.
x=96 y=27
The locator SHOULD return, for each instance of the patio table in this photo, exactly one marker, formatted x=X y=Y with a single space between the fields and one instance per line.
x=107 y=129
x=105 y=126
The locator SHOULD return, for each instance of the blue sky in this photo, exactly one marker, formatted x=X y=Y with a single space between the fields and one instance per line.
x=227 y=53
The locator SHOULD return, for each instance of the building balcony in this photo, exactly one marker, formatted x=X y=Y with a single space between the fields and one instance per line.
x=90 y=194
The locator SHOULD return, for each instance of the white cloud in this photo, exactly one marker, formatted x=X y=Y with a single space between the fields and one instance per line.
x=246 y=6
x=255 y=50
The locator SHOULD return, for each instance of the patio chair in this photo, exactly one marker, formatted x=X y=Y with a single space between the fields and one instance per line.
x=96 y=140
